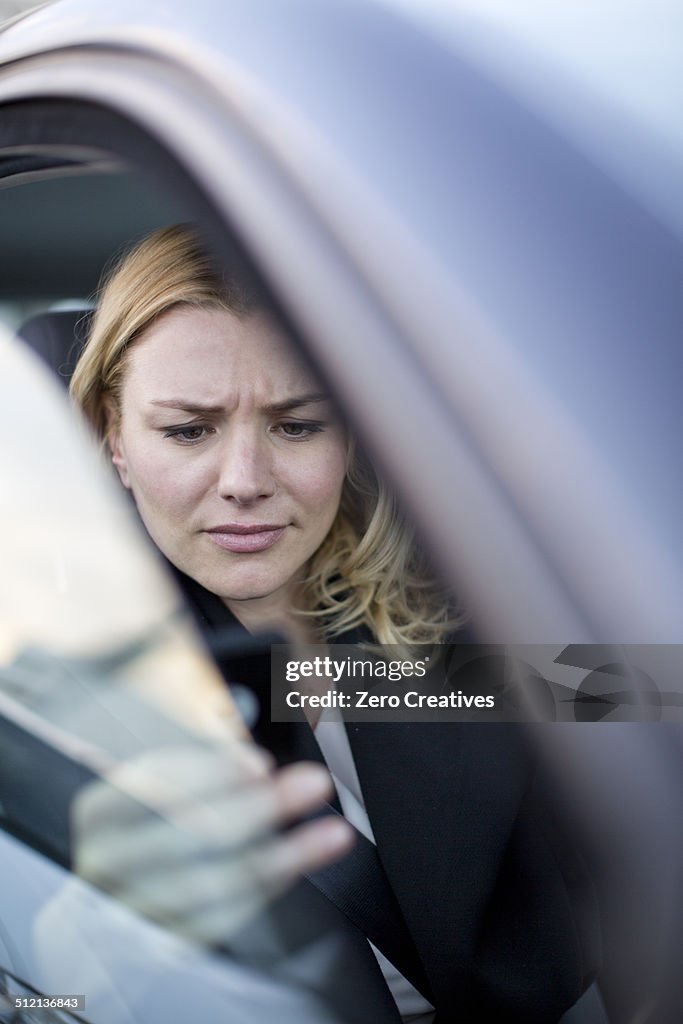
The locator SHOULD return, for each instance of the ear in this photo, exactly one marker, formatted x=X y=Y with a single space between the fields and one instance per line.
x=114 y=443
x=118 y=457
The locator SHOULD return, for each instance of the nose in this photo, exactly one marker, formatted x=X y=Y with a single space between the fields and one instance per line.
x=246 y=468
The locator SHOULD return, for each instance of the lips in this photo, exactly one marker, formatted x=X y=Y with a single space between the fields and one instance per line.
x=246 y=539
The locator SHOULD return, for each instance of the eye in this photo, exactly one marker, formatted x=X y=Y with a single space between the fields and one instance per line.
x=187 y=435
x=298 y=430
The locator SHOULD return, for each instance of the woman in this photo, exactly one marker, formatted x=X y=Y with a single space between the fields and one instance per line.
x=248 y=481
x=336 y=521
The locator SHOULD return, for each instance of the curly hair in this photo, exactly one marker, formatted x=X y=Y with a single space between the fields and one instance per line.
x=369 y=572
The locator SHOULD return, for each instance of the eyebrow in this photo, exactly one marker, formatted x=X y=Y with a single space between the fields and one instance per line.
x=284 y=406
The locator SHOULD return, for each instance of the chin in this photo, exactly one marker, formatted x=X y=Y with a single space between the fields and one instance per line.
x=247 y=589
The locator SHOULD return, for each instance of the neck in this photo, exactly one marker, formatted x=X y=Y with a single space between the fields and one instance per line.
x=272 y=613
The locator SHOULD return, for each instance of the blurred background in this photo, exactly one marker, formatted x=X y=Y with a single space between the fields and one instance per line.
x=10 y=8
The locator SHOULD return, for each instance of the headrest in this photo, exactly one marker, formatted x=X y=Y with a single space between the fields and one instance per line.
x=58 y=338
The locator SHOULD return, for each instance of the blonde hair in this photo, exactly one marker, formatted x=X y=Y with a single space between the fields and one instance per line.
x=369 y=572
x=167 y=268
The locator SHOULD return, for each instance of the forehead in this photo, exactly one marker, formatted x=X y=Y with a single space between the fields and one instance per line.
x=211 y=354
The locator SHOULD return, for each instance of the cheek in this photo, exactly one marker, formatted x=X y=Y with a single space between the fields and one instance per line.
x=318 y=483
x=159 y=483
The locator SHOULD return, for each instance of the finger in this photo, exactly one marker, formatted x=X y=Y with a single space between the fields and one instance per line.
x=207 y=908
x=208 y=901
x=169 y=775
x=205 y=828
x=308 y=847
x=255 y=761
x=299 y=789
x=167 y=778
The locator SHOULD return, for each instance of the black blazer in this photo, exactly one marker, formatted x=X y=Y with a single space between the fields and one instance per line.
x=496 y=898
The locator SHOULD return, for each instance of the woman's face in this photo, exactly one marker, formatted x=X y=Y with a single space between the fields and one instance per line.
x=235 y=457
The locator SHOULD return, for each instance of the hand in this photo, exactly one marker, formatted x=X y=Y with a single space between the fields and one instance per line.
x=188 y=836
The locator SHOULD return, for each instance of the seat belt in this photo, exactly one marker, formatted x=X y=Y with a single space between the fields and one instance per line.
x=359 y=888
x=356 y=885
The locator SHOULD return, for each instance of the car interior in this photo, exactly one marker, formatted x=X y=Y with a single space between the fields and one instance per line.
x=94 y=215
